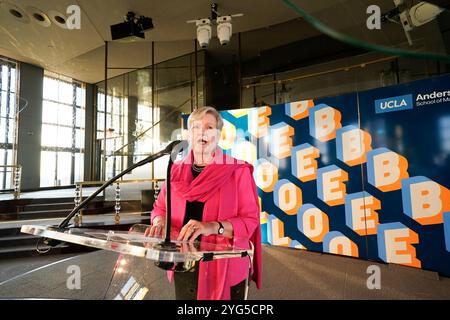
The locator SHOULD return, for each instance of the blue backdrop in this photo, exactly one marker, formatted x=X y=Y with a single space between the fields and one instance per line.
x=363 y=174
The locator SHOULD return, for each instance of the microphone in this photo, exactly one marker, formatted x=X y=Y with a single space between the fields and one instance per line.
x=167 y=244
x=172 y=149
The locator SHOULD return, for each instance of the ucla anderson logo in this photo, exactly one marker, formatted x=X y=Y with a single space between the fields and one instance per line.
x=398 y=103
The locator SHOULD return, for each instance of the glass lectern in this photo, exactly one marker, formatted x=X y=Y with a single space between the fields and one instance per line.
x=128 y=266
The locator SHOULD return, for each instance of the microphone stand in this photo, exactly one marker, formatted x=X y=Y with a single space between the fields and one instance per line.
x=167 y=244
x=167 y=151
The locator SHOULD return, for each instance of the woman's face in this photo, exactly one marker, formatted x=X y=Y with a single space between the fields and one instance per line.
x=204 y=135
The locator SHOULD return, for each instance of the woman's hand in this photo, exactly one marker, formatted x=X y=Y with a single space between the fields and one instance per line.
x=157 y=228
x=194 y=228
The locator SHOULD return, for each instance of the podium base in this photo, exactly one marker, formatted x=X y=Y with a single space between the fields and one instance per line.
x=167 y=245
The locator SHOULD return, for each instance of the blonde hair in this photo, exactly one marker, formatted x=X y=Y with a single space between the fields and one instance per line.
x=201 y=112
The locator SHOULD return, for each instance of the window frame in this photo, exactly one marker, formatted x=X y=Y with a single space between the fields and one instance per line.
x=75 y=106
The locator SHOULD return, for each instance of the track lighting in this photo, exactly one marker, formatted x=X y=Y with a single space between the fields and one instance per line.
x=224 y=27
x=204 y=31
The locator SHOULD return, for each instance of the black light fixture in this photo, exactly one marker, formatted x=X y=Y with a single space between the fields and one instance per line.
x=132 y=29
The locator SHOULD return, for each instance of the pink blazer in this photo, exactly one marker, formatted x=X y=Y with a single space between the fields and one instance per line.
x=228 y=196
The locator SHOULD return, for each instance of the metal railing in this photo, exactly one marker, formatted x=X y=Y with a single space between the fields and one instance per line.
x=78 y=219
x=16 y=178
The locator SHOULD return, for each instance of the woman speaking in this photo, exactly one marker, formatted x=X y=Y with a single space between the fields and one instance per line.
x=212 y=194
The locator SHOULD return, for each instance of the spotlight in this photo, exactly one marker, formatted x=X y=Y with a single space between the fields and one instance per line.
x=411 y=17
x=132 y=29
x=224 y=29
x=203 y=32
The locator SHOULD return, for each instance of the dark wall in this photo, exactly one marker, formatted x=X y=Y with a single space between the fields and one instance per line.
x=444 y=26
x=30 y=122
x=298 y=54
x=89 y=134
x=222 y=84
x=132 y=116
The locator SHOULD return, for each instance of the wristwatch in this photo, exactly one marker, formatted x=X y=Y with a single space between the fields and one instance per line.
x=221 y=228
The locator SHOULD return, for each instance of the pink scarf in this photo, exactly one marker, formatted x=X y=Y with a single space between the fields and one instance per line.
x=215 y=175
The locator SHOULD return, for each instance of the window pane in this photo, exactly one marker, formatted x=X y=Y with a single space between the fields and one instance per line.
x=4 y=78
x=50 y=89
x=109 y=146
x=66 y=93
x=64 y=137
x=79 y=139
x=109 y=168
x=100 y=124
x=4 y=96
x=13 y=80
x=2 y=130
x=79 y=165
x=117 y=125
x=49 y=112
x=145 y=113
x=101 y=102
x=48 y=167
x=64 y=168
x=161 y=167
x=100 y=121
x=12 y=105
x=65 y=115
x=144 y=145
x=108 y=104
x=80 y=97
x=9 y=160
x=108 y=121
x=8 y=78
x=80 y=114
x=49 y=135
x=8 y=176
x=11 y=131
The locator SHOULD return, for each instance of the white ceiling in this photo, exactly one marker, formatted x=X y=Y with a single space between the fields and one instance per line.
x=80 y=53
x=265 y=24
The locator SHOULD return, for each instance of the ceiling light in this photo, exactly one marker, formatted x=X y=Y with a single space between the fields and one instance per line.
x=39 y=16
x=58 y=18
x=224 y=27
x=203 y=32
x=15 y=11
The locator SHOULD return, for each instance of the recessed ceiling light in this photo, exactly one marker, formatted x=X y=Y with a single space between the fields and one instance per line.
x=58 y=18
x=15 y=11
x=39 y=16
